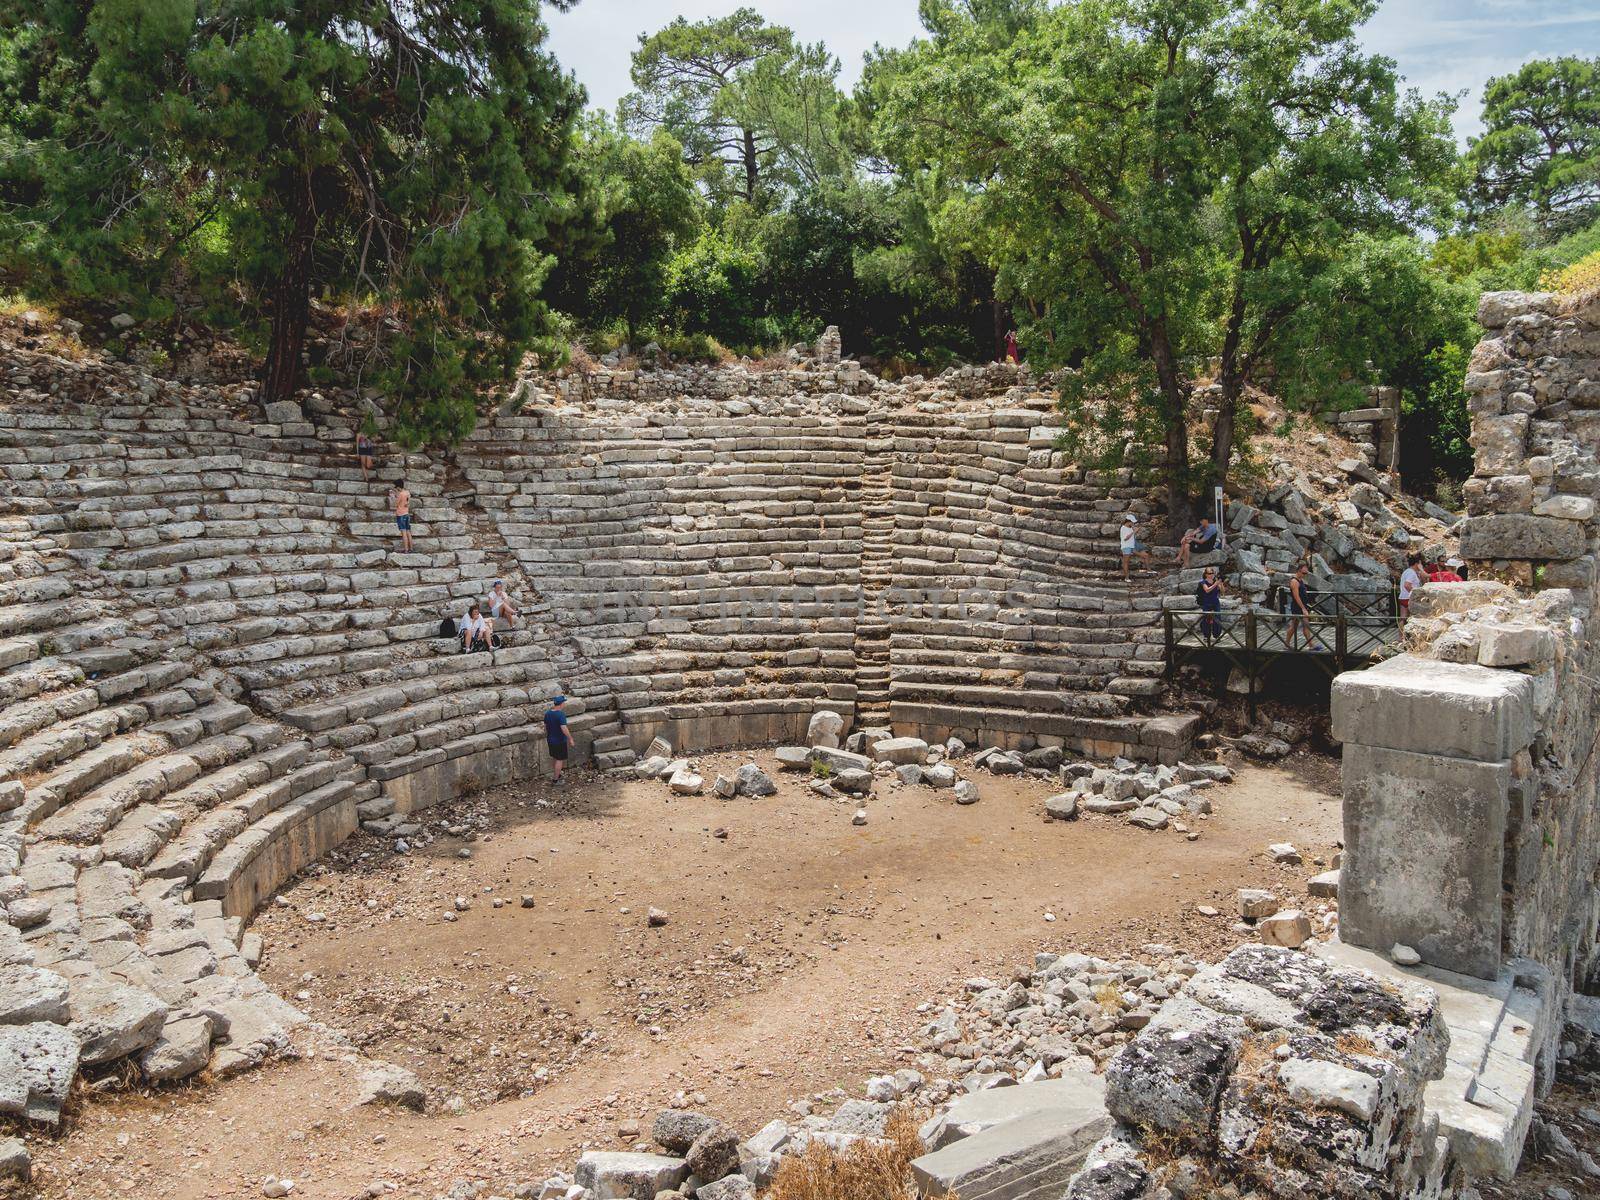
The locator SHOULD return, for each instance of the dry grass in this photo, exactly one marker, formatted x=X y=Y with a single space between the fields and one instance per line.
x=1108 y=998
x=871 y=1169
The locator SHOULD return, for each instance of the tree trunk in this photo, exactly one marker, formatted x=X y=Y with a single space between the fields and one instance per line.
x=1222 y=437
x=752 y=169
x=291 y=301
x=1175 y=392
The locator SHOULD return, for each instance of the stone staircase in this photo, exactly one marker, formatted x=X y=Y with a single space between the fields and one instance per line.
x=879 y=608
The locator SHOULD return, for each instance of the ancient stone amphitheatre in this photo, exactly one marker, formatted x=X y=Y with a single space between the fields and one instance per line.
x=971 y=600
x=880 y=804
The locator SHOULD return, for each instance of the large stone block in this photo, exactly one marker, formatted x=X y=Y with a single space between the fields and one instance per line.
x=1457 y=710
x=1031 y=1156
x=1424 y=849
x=1519 y=536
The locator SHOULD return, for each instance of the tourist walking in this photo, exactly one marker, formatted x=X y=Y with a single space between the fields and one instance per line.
x=1128 y=535
x=365 y=453
x=557 y=736
x=400 y=502
x=1209 y=593
x=1410 y=580
x=1300 y=608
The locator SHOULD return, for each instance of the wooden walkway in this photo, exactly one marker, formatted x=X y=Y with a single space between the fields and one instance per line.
x=1348 y=630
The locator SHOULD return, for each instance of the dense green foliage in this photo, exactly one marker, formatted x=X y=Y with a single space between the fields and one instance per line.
x=1152 y=192
x=1541 y=143
x=250 y=154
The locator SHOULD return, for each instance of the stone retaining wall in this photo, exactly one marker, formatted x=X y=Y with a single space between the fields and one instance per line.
x=1471 y=780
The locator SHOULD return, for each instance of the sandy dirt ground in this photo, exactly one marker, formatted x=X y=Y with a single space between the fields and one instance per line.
x=797 y=949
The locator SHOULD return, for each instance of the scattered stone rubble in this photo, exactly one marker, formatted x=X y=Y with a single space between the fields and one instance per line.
x=1275 y=1074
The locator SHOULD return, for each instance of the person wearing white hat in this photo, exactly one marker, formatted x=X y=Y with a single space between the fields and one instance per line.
x=1128 y=535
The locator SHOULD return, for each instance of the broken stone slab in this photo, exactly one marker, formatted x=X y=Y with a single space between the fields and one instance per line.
x=1290 y=928
x=1148 y=818
x=627 y=1174
x=37 y=1065
x=182 y=1050
x=793 y=758
x=751 y=780
x=1256 y=903
x=15 y=1163
x=1075 y=1095
x=675 y=1129
x=684 y=782
x=111 y=1019
x=730 y=1187
x=840 y=760
x=1030 y=1157
x=966 y=792
x=1325 y=885
x=1062 y=807
x=1505 y=645
x=852 y=781
x=30 y=994
x=900 y=750
x=824 y=729
x=386 y=1083
x=714 y=1154
x=1107 y=807
x=941 y=775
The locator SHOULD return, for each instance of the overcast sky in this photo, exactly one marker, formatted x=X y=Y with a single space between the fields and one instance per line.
x=1441 y=45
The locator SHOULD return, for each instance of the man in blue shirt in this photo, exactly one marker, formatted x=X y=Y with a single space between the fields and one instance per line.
x=558 y=738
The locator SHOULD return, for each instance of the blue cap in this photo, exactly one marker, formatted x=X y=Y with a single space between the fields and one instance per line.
x=558 y=699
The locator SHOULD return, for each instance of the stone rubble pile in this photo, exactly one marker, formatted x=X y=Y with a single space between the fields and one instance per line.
x=1006 y=1079
x=1276 y=1074
x=1270 y=1074
x=1354 y=525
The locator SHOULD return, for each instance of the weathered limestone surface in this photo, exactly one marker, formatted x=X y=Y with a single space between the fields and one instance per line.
x=1472 y=793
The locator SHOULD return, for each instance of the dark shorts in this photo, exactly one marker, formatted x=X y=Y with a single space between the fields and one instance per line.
x=558 y=751
x=403 y=523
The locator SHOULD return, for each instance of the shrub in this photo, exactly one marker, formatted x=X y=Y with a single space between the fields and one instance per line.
x=1581 y=276
x=868 y=1170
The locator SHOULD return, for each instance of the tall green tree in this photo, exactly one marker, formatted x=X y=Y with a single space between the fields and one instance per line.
x=404 y=151
x=749 y=103
x=636 y=205
x=1162 y=182
x=1541 y=143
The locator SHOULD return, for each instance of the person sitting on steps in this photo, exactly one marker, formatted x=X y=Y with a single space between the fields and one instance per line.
x=476 y=633
x=1200 y=540
x=400 y=502
x=500 y=604
x=1131 y=545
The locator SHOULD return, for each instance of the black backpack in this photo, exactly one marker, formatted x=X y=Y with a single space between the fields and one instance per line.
x=447 y=627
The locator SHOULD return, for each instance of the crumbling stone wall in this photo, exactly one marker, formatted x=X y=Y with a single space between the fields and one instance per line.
x=1470 y=771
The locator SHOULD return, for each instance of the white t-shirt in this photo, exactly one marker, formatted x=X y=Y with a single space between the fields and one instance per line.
x=474 y=627
x=496 y=600
x=1410 y=581
x=1130 y=537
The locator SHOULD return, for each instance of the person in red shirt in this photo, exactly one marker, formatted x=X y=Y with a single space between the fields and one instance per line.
x=1443 y=572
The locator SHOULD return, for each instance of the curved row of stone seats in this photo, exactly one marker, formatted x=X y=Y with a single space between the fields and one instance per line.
x=707 y=561
x=1014 y=558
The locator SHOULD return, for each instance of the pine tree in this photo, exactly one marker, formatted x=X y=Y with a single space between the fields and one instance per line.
x=405 y=153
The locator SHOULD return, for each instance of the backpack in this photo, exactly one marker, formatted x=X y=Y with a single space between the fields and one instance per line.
x=447 y=627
